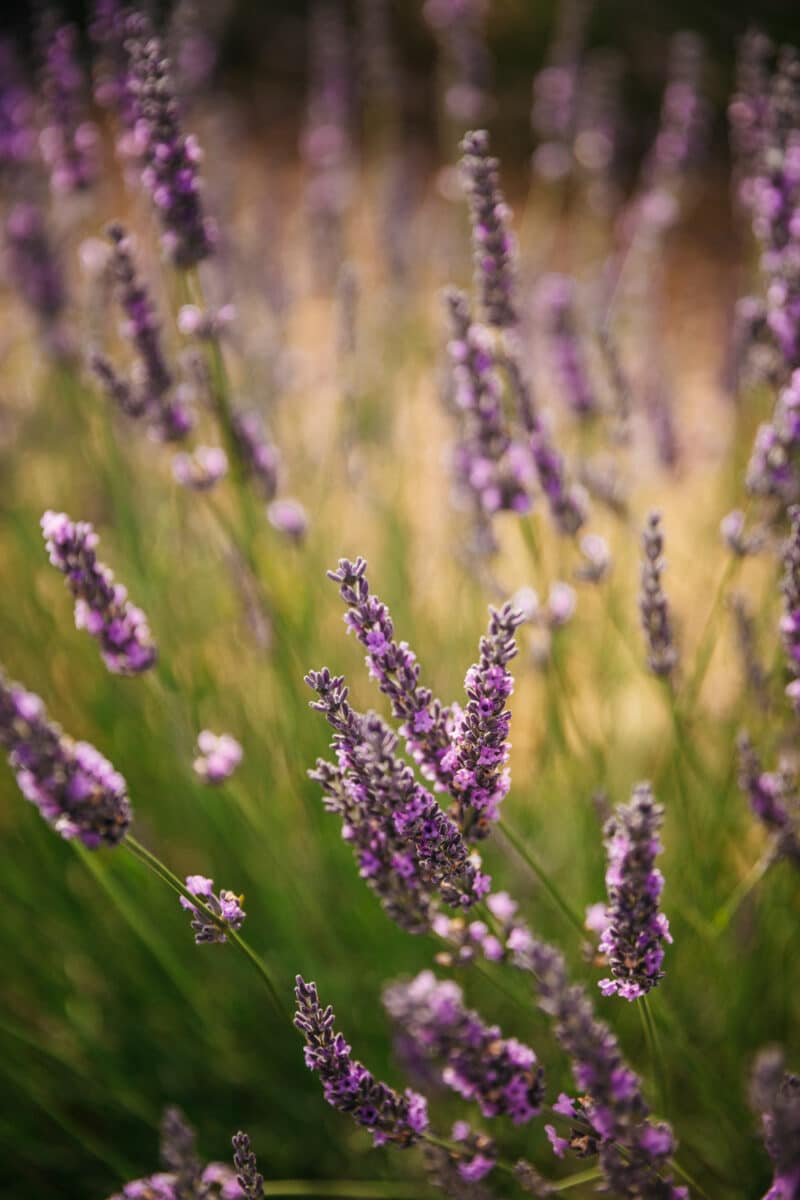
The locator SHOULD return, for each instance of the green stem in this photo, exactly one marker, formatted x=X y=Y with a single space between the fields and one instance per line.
x=654 y=1050
x=571 y=1181
x=356 y=1189
x=725 y=914
x=163 y=872
x=708 y=638
x=543 y=877
x=679 y=1170
x=183 y=985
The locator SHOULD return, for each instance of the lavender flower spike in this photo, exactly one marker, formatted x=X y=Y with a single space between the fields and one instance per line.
x=500 y=1074
x=634 y=936
x=75 y=788
x=480 y=742
x=148 y=394
x=773 y=797
x=495 y=469
x=226 y=909
x=790 y=622
x=248 y=1176
x=101 y=605
x=610 y=1118
x=662 y=654
x=775 y=1094
x=170 y=157
x=492 y=240
x=348 y=1085
x=69 y=140
x=558 y=306
x=427 y=723
x=408 y=850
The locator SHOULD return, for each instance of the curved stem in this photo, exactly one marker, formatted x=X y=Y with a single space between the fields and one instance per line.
x=725 y=914
x=163 y=872
x=543 y=877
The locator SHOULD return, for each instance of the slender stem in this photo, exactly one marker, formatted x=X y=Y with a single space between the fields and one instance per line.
x=356 y=1189
x=708 y=638
x=163 y=872
x=543 y=877
x=684 y=1174
x=654 y=1049
x=725 y=914
x=571 y=1181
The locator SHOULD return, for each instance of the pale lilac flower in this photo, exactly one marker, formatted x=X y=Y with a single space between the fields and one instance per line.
x=289 y=518
x=225 y=909
x=218 y=756
x=202 y=469
x=102 y=607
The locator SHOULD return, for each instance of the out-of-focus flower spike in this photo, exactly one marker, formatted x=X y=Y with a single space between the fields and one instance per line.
x=775 y=1095
x=69 y=140
x=662 y=654
x=102 y=607
x=75 y=788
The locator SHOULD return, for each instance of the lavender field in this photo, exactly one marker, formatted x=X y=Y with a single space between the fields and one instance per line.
x=400 y=607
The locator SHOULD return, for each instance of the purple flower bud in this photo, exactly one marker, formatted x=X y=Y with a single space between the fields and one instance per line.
x=218 y=756
x=348 y=1085
x=248 y=1176
x=101 y=605
x=75 y=788
x=202 y=469
x=288 y=517
x=225 y=908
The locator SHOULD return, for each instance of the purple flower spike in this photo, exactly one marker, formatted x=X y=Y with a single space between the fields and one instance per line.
x=775 y=1094
x=490 y=465
x=662 y=655
x=218 y=756
x=492 y=240
x=260 y=458
x=170 y=158
x=348 y=1085
x=75 y=788
x=427 y=724
x=248 y=1176
x=558 y=306
x=790 y=622
x=201 y=470
x=70 y=140
x=773 y=797
x=408 y=850
x=150 y=392
x=500 y=1075
x=611 y=1116
x=226 y=908
x=101 y=605
x=635 y=931
x=34 y=266
x=480 y=779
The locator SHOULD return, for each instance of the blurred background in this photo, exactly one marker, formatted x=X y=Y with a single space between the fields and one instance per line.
x=334 y=259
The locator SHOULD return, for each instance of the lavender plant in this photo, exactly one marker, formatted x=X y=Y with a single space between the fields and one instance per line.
x=102 y=607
